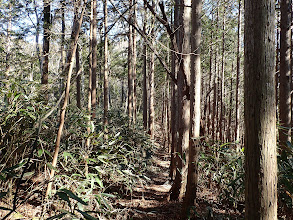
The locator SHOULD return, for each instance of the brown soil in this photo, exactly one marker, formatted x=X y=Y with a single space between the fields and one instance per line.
x=151 y=201
x=147 y=201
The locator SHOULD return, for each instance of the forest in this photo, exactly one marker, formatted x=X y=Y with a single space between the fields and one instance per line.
x=146 y=109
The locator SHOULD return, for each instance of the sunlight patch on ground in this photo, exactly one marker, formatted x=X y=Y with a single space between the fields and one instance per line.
x=159 y=188
x=161 y=163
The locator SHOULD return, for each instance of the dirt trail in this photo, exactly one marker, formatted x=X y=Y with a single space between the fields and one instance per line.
x=151 y=201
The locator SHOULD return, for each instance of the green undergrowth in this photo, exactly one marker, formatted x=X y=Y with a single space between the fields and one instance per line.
x=88 y=179
x=222 y=170
x=285 y=178
x=221 y=167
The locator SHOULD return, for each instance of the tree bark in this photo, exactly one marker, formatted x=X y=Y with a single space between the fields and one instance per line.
x=130 y=69
x=144 y=83
x=222 y=84
x=152 y=93
x=209 y=115
x=94 y=58
x=236 y=131
x=106 y=70
x=183 y=93
x=260 y=110
x=285 y=92
x=78 y=79
x=195 y=91
x=291 y=66
x=46 y=47
x=215 y=92
x=62 y=47
x=37 y=35
x=90 y=78
x=175 y=190
x=229 y=125
x=134 y=62
x=175 y=159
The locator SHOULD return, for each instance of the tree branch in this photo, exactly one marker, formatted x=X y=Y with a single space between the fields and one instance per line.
x=143 y=34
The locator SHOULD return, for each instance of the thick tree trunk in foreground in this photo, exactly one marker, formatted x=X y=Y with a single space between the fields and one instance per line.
x=195 y=91
x=184 y=102
x=285 y=93
x=175 y=190
x=260 y=111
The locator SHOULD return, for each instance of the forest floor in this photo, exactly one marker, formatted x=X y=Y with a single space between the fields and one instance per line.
x=151 y=201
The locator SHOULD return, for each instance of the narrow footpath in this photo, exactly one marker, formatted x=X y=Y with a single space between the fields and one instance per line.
x=151 y=201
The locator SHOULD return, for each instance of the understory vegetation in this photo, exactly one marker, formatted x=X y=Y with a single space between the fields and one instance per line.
x=89 y=181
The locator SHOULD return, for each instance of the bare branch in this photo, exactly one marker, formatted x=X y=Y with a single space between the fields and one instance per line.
x=143 y=34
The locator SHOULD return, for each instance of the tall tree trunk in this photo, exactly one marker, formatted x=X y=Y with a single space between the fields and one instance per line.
x=144 y=83
x=78 y=79
x=291 y=66
x=89 y=104
x=195 y=91
x=177 y=93
x=37 y=36
x=94 y=59
x=183 y=93
x=236 y=131
x=277 y=74
x=8 y=42
x=106 y=80
x=130 y=69
x=174 y=119
x=222 y=85
x=215 y=92
x=151 y=77
x=62 y=49
x=122 y=93
x=175 y=159
x=260 y=110
x=46 y=46
x=168 y=129
x=229 y=125
x=8 y=52
x=152 y=93
x=134 y=62
x=69 y=69
x=209 y=115
x=285 y=92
